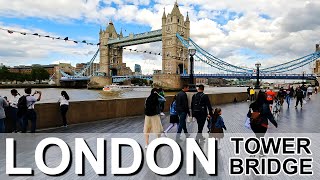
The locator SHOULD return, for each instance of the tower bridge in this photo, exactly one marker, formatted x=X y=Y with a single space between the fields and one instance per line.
x=175 y=37
x=112 y=43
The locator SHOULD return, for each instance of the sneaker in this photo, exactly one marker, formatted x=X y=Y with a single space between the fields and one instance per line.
x=146 y=146
x=162 y=114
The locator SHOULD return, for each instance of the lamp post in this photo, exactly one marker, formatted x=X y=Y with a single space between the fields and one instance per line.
x=303 y=78
x=258 y=64
x=192 y=51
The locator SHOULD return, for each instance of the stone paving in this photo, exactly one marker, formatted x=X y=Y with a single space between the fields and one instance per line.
x=292 y=122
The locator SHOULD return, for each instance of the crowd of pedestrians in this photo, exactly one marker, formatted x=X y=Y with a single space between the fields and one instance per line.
x=18 y=111
x=260 y=112
x=200 y=109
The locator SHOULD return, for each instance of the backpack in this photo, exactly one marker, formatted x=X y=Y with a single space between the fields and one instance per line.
x=150 y=108
x=22 y=106
x=198 y=105
x=173 y=110
x=255 y=118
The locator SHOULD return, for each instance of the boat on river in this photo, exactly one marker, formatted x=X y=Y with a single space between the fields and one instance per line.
x=115 y=87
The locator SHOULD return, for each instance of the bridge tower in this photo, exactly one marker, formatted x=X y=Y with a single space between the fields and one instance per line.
x=174 y=54
x=111 y=63
x=316 y=69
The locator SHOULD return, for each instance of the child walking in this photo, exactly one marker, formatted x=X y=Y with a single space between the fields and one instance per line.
x=174 y=119
x=217 y=125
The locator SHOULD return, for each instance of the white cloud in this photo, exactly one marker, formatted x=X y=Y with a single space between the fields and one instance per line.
x=291 y=31
x=28 y=49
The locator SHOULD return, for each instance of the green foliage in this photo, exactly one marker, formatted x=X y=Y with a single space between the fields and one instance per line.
x=4 y=73
x=39 y=73
x=138 y=81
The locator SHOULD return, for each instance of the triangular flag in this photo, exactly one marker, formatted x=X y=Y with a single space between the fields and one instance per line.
x=66 y=39
x=84 y=41
x=23 y=33
x=98 y=44
x=10 y=32
x=35 y=34
x=75 y=42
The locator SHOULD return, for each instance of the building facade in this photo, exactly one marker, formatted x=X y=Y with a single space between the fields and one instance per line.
x=137 y=69
x=51 y=68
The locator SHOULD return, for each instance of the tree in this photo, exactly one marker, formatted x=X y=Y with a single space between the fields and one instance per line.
x=138 y=81
x=39 y=73
x=4 y=73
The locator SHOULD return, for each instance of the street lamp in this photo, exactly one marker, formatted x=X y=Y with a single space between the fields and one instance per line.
x=192 y=51
x=303 y=78
x=258 y=64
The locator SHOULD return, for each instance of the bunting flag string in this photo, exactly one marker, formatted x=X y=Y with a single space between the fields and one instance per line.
x=87 y=43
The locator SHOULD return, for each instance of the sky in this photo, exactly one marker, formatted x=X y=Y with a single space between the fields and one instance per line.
x=239 y=32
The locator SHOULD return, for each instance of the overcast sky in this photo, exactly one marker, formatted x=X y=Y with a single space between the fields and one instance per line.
x=240 y=32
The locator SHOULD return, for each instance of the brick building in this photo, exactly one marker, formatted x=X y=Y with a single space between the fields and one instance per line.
x=28 y=69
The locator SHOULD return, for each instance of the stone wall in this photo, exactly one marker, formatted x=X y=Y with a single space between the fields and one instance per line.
x=168 y=81
x=98 y=82
x=48 y=114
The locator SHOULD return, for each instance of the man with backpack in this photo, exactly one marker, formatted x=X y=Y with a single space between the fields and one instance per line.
x=26 y=109
x=200 y=106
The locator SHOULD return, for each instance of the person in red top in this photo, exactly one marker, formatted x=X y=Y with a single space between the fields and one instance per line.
x=270 y=97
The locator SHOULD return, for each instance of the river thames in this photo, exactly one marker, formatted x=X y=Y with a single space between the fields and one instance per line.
x=52 y=94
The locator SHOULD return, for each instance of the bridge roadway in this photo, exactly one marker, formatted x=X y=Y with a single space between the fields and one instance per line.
x=292 y=122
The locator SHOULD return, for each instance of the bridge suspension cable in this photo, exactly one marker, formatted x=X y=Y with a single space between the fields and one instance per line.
x=219 y=64
x=292 y=65
x=89 y=67
x=212 y=60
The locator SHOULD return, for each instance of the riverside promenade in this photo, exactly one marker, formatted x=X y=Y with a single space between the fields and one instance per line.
x=291 y=120
x=291 y=123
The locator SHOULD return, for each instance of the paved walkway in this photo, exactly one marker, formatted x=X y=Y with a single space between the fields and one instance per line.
x=292 y=122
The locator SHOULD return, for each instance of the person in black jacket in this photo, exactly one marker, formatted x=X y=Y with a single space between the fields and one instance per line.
x=260 y=126
x=152 y=122
x=182 y=109
x=261 y=105
x=200 y=106
x=299 y=96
